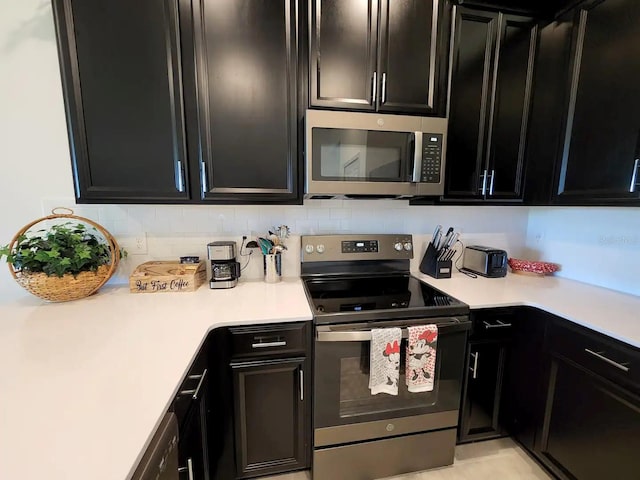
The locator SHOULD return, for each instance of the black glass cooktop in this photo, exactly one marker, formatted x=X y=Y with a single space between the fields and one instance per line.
x=398 y=296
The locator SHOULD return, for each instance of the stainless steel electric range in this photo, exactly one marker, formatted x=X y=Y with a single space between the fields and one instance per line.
x=356 y=283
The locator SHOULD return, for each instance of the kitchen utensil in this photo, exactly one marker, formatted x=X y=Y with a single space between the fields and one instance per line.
x=436 y=232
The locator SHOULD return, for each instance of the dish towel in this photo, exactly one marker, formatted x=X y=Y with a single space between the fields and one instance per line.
x=421 y=358
x=384 y=360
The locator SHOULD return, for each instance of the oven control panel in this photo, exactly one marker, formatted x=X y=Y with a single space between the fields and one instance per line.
x=359 y=246
x=331 y=248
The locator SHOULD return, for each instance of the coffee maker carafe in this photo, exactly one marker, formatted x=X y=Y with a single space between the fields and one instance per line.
x=222 y=267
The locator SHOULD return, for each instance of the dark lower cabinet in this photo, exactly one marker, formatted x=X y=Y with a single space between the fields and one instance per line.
x=482 y=395
x=591 y=426
x=524 y=379
x=192 y=410
x=243 y=109
x=122 y=82
x=269 y=416
x=261 y=416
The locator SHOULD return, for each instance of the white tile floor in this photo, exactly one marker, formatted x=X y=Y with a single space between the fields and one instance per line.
x=496 y=459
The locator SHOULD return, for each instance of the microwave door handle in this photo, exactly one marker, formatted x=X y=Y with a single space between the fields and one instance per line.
x=417 y=157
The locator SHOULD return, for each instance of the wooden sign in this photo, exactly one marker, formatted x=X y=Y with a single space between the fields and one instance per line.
x=167 y=276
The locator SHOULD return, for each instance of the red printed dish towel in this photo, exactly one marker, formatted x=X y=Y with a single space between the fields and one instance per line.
x=384 y=360
x=421 y=358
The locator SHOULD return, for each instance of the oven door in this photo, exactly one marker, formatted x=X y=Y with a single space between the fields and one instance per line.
x=345 y=410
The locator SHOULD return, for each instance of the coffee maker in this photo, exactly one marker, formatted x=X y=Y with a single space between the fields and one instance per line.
x=222 y=268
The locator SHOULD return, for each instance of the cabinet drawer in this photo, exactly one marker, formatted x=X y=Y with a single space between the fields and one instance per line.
x=268 y=340
x=492 y=323
x=601 y=355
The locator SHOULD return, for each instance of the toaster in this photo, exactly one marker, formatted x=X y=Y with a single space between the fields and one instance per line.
x=485 y=261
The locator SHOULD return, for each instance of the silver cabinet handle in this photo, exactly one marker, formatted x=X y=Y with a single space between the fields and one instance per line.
x=180 y=176
x=498 y=324
x=301 y=385
x=188 y=469
x=634 y=176
x=203 y=177
x=493 y=176
x=417 y=157
x=269 y=344
x=194 y=392
x=484 y=182
x=374 y=89
x=384 y=87
x=433 y=53
x=474 y=369
x=621 y=366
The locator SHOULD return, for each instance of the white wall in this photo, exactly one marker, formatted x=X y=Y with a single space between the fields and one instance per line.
x=35 y=175
x=594 y=245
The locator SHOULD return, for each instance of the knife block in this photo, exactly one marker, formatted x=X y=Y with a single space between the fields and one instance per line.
x=430 y=265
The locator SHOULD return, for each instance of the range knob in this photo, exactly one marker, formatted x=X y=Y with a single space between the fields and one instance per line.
x=308 y=248
x=408 y=246
x=320 y=248
x=397 y=246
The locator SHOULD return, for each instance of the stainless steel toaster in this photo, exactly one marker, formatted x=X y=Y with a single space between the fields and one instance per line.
x=485 y=261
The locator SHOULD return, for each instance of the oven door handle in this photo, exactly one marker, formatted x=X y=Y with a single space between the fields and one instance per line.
x=349 y=336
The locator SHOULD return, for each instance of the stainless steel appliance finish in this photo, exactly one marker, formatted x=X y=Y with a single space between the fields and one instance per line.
x=222 y=268
x=352 y=154
x=160 y=460
x=485 y=261
x=356 y=283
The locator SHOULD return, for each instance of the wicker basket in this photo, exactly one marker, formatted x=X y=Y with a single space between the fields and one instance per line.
x=67 y=287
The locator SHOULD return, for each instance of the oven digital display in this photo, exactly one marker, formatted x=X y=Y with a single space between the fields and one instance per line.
x=360 y=246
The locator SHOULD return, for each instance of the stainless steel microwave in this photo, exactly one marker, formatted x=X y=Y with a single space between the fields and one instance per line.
x=351 y=154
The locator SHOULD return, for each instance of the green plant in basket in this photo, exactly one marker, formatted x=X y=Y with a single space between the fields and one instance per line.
x=69 y=248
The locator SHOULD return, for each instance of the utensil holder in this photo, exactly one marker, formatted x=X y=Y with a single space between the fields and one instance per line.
x=433 y=267
x=272 y=267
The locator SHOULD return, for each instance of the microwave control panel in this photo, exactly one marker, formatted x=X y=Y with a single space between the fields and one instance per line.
x=431 y=158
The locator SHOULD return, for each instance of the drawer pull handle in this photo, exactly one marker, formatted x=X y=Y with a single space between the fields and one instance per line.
x=188 y=469
x=269 y=344
x=196 y=391
x=621 y=366
x=498 y=324
x=474 y=369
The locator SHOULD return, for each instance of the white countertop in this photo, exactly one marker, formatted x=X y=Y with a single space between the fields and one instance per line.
x=84 y=384
x=606 y=311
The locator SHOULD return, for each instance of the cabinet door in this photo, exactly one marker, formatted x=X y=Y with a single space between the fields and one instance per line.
x=411 y=55
x=471 y=76
x=342 y=64
x=121 y=72
x=479 y=418
x=193 y=446
x=599 y=161
x=510 y=105
x=269 y=415
x=591 y=427
x=246 y=125
x=524 y=381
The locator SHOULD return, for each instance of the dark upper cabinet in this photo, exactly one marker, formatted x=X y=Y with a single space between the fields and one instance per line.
x=244 y=116
x=385 y=55
x=600 y=152
x=491 y=84
x=120 y=65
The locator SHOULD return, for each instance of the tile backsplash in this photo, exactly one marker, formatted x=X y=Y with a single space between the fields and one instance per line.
x=172 y=230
